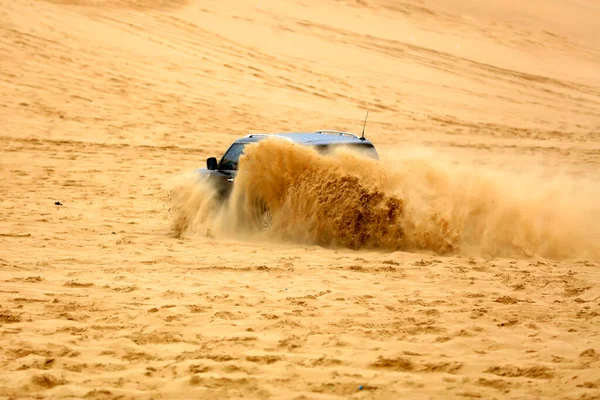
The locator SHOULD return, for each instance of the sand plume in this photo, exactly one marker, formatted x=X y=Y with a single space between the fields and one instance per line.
x=415 y=202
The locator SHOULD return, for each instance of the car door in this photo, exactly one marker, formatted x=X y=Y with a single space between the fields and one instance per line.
x=228 y=166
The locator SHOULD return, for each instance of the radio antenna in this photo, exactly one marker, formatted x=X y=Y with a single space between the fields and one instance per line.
x=363 y=132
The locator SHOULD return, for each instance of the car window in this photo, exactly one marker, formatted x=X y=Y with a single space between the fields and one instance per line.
x=366 y=149
x=232 y=157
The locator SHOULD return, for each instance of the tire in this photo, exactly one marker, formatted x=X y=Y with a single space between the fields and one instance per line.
x=262 y=217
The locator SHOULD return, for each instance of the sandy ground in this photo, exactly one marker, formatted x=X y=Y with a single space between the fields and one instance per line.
x=105 y=102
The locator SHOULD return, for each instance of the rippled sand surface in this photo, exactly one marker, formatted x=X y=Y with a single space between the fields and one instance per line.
x=492 y=292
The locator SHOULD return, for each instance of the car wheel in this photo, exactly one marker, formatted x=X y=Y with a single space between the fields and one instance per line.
x=267 y=218
x=263 y=217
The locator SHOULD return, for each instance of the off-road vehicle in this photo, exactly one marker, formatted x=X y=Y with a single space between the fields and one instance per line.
x=221 y=173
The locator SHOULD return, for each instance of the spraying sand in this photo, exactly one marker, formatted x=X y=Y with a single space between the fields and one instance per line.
x=416 y=202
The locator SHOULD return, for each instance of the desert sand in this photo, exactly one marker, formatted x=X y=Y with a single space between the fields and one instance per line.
x=487 y=118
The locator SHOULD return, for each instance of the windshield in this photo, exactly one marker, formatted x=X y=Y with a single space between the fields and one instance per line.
x=231 y=159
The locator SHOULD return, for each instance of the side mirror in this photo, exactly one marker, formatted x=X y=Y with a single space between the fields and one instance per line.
x=211 y=163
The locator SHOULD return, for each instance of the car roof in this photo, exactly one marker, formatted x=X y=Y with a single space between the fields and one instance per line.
x=308 y=138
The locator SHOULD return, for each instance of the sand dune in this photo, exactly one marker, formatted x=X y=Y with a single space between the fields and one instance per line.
x=106 y=103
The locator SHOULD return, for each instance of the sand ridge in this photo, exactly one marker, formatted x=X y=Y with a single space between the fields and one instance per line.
x=106 y=103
